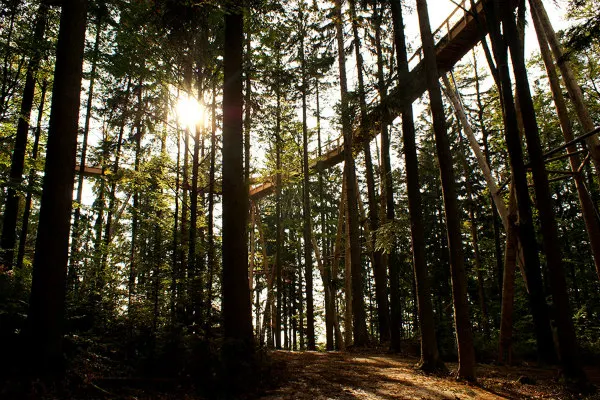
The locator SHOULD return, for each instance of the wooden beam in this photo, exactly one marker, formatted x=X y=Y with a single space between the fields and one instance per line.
x=89 y=171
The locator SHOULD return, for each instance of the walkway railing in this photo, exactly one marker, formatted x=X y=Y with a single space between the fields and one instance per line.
x=450 y=25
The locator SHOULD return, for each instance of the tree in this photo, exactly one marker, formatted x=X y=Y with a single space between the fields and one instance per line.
x=84 y=147
x=429 y=350
x=383 y=317
x=358 y=301
x=307 y=217
x=46 y=310
x=466 y=352
x=567 y=341
x=9 y=226
x=526 y=232
x=237 y=317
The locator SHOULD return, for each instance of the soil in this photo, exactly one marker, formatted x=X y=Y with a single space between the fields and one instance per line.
x=370 y=374
x=375 y=376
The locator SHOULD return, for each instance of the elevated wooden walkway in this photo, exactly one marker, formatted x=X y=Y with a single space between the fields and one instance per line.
x=334 y=154
x=457 y=35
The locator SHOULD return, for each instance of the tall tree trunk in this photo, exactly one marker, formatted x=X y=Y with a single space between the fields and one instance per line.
x=31 y=180
x=76 y=231
x=361 y=336
x=307 y=217
x=486 y=152
x=184 y=261
x=251 y=266
x=47 y=301
x=194 y=272
x=6 y=67
x=237 y=312
x=99 y=206
x=108 y=228
x=174 y=256
x=430 y=359
x=210 y=253
x=326 y=270
x=301 y=311
x=567 y=340
x=526 y=232
x=11 y=206
x=482 y=161
x=464 y=336
x=278 y=211
x=269 y=275
x=475 y=243
x=381 y=292
x=339 y=339
x=508 y=286
x=585 y=118
x=347 y=276
x=247 y=154
x=247 y=98
x=587 y=206
x=136 y=202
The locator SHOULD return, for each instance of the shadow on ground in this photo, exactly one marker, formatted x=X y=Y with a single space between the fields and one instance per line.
x=345 y=376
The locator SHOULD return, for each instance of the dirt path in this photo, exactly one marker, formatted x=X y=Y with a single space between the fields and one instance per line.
x=321 y=376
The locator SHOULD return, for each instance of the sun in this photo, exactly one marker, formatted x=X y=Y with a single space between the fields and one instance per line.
x=189 y=111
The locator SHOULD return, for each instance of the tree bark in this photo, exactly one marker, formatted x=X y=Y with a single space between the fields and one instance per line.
x=5 y=87
x=269 y=274
x=326 y=275
x=464 y=336
x=483 y=163
x=568 y=348
x=278 y=211
x=84 y=141
x=307 y=218
x=430 y=359
x=175 y=259
x=47 y=301
x=194 y=261
x=237 y=317
x=587 y=206
x=210 y=252
x=381 y=292
x=247 y=99
x=358 y=302
x=508 y=286
x=486 y=152
x=339 y=339
x=347 y=276
x=136 y=201
x=475 y=243
x=526 y=232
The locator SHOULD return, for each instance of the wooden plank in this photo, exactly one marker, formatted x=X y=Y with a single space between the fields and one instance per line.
x=89 y=171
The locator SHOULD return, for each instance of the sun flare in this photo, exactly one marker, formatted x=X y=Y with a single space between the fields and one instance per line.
x=190 y=112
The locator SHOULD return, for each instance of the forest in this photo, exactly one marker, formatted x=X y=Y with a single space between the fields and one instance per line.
x=197 y=195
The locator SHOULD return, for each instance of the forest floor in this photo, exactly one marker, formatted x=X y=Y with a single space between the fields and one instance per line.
x=380 y=376
x=370 y=374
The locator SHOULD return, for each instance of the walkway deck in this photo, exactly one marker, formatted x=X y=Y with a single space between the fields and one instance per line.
x=457 y=35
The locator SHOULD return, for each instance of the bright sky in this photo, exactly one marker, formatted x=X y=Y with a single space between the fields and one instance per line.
x=440 y=9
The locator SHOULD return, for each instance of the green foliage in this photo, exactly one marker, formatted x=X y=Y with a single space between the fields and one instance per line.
x=586 y=32
x=137 y=304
